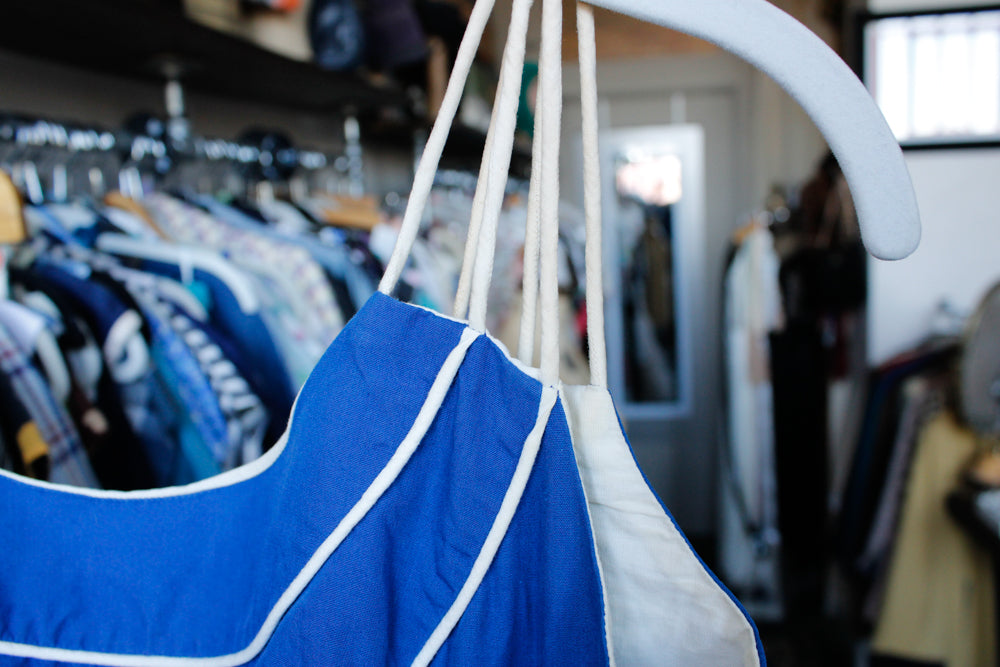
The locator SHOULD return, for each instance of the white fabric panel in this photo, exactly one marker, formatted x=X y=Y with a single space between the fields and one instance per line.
x=665 y=607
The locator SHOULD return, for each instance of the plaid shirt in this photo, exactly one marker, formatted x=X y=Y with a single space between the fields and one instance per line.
x=68 y=462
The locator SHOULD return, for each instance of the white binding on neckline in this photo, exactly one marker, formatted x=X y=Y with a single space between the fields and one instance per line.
x=381 y=483
x=498 y=530
x=246 y=471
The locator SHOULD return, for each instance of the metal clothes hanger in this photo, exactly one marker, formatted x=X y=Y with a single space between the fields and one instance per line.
x=802 y=64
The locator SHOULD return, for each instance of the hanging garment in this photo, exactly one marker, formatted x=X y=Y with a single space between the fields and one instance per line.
x=749 y=538
x=98 y=403
x=167 y=401
x=309 y=279
x=256 y=352
x=360 y=474
x=297 y=278
x=332 y=253
x=23 y=449
x=924 y=397
x=939 y=601
x=800 y=390
x=241 y=411
x=643 y=558
x=873 y=455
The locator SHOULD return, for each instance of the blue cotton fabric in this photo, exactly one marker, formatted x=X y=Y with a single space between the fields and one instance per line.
x=196 y=574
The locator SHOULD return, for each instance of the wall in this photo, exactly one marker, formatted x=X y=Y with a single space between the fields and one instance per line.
x=755 y=136
x=957 y=260
x=958 y=255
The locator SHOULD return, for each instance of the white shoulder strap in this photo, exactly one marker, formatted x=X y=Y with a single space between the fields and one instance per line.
x=775 y=43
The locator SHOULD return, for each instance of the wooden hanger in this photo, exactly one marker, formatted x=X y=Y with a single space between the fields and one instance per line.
x=125 y=203
x=351 y=212
x=799 y=61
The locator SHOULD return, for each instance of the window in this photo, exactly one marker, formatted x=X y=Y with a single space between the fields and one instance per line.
x=936 y=76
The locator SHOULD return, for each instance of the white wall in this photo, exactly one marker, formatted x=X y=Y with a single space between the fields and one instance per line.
x=959 y=255
x=755 y=136
x=958 y=192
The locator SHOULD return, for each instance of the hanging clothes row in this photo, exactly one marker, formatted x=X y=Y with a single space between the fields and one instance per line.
x=193 y=345
x=158 y=340
x=918 y=529
x=925 y=588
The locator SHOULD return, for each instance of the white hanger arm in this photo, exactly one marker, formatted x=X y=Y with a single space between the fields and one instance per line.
x=209 y=261
x=777 y=44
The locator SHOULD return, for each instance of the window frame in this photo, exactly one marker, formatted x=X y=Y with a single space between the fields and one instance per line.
x=864 y=18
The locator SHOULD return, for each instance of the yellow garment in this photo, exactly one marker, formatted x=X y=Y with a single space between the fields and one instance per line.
x=939 y=601
x=33 y=447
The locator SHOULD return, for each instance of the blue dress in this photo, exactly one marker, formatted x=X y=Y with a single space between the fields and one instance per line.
x=423 y=506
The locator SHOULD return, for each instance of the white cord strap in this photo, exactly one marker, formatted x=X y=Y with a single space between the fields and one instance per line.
x=461 y=307
x=423 y=180
x=508 y=97
x=592 y=196
x=529 y=280
x=550 y=80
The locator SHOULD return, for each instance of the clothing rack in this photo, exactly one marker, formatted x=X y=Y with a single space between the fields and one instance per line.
x=75 y=137
x=172 y=253
x=137 y=160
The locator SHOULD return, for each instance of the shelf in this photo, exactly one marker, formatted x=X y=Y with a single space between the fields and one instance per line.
x=152 y=41
x=143 y=39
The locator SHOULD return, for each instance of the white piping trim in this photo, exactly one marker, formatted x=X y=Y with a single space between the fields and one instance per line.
x=501 y=523
x=228 y=478
x=381 y=483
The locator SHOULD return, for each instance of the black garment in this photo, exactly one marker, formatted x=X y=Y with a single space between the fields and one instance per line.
x=821 y=281
x=118 y=462
x=799 y=385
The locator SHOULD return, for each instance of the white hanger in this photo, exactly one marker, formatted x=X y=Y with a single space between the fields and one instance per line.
x=799 y=61
x=184 y=256
x=781 y=47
